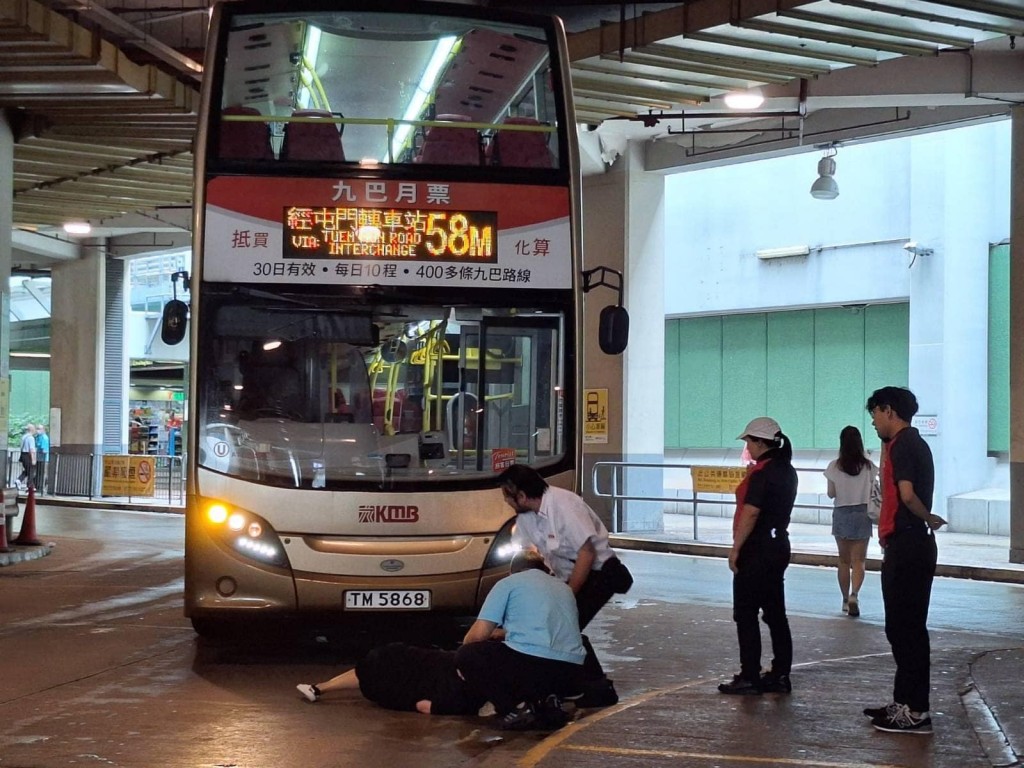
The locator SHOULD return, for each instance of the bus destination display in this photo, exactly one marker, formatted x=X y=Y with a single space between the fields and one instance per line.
x=410 y=234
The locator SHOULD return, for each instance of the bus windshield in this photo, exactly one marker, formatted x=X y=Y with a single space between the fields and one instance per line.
x=374 y=88
x=296 y=394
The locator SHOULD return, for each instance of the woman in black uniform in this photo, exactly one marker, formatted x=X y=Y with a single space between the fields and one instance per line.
x=759 y=557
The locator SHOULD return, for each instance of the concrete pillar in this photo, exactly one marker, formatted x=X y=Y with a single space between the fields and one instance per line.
x=1017 y=337
x=624 y=229
x=949 y=213
x=604 y=244
x=76 y=344
x=6 y=224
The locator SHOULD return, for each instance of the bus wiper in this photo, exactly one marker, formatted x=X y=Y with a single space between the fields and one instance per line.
x=261 y=294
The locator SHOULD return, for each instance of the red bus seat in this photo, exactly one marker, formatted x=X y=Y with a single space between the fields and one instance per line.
x=244 y=140
x=450 y=145
x=312 y=141
x=520 y=149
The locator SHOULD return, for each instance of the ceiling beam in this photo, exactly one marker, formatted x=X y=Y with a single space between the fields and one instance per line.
x=656 y=26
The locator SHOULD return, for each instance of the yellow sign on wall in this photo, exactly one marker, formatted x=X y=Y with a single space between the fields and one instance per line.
x=128 y=476
x=595 y=415
x=717 y=479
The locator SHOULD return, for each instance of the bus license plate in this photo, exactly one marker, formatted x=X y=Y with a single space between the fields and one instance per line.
x=397 y=599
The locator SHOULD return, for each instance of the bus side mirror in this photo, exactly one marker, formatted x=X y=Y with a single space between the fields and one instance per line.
x=173 y=322
x=613 y=331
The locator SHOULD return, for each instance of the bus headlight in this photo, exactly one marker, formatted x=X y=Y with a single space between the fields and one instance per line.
x=246 y=533
x=502 y=549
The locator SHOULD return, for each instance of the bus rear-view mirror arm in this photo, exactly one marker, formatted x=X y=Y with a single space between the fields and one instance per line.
x=613 y=329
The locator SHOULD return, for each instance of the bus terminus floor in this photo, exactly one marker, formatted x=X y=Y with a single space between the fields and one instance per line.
x=385 y=304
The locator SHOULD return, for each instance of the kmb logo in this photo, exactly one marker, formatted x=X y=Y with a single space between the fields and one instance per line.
x=388 y=513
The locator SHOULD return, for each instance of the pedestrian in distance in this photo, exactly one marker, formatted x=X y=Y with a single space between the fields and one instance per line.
x=42 y=457
x=759 y=558
x=905 y=531
x=538 y=661
x=574 y=543
x=850 y=478
x=28 y=457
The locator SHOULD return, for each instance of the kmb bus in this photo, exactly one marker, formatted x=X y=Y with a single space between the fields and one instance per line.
x=386 y=304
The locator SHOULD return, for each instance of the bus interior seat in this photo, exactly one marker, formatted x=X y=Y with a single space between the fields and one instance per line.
x=244 y=140
x=450 y=145
x=520 y=149
x=312 y=141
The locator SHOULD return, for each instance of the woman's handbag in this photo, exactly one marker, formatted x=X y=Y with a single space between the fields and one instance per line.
x=875 y=501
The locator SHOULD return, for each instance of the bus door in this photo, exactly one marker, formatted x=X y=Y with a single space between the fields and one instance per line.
x=506 y=404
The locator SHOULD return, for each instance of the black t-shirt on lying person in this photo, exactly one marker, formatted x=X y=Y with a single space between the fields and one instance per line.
x=397 y=675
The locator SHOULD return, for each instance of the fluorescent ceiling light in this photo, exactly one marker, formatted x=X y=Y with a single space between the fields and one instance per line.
x=752 y=98
x=309 y=55
x=428 y=83
x=77 y=227
x=782 y=253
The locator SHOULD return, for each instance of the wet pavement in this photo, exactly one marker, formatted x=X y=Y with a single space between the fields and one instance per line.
x=667 y=644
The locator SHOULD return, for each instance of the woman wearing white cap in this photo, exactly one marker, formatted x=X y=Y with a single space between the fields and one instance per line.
x=759 y=557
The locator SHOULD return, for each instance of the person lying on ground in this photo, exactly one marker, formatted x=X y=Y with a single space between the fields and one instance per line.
x=405 y=678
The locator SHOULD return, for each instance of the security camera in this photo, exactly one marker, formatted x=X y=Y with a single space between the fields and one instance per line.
x=910 y=246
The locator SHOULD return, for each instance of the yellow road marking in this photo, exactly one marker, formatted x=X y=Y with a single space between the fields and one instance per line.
x=533 y=757
x=673 y=754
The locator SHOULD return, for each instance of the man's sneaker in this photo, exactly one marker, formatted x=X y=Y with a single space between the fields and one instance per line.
x=311 y=692
x=522 y=718
x=597 y=693
x=740 y=686
x=854 y=606
x=877 y=712
x=902 y=720
x=773 y=683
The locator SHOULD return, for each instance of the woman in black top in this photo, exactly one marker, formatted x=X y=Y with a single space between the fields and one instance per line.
x=759 y=557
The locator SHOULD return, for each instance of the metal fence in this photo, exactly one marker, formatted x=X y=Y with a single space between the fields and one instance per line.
x=81 y=475
x=609 y=481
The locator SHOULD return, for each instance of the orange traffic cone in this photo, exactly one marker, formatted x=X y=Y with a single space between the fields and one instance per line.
x=27 y=534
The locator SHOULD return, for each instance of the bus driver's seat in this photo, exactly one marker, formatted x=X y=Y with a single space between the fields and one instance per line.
x=318 y=141
x=244 y=140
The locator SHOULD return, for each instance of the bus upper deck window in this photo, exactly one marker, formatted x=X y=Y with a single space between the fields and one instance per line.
x=244 y=139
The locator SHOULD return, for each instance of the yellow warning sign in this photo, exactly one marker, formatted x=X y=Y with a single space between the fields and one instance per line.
x=128 y=476
x=595 y=415
x=716 y=479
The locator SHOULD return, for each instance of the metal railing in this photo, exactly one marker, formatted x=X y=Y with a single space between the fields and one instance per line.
x=81 y=474
x=617 y=469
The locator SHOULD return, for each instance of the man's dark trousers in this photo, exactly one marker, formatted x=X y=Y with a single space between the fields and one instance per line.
x=908 y=568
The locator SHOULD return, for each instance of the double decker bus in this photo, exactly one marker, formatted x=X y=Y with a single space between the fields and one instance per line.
x=385 y=304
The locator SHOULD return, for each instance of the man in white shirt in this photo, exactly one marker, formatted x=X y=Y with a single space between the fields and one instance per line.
x=28 y=456
x=572 y=539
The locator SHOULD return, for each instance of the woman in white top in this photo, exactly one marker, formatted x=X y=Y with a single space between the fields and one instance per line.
x=849 y=483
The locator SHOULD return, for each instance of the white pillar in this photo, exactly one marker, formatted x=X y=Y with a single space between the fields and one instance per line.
x=625 y=229
x=950 y=213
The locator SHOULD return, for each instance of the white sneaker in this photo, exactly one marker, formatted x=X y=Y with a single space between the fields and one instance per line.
x=311 y=692
x=854 y=606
